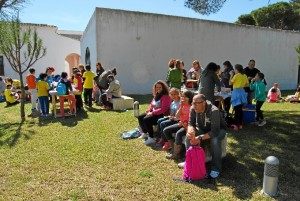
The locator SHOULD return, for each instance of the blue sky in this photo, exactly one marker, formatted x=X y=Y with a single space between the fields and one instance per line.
x=75 y=14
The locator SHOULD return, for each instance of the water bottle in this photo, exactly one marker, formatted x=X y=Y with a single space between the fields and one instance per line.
x=136 y=108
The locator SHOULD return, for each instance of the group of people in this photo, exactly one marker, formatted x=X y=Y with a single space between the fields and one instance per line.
x=178 y=114
x=99 y=87
x=177 y=111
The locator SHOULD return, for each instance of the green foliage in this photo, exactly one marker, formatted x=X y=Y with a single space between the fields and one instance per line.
x=281 y=15
x=22 y=48
x=246 y=19
x=204 y=7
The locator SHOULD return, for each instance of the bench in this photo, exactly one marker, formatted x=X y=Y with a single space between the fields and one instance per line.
x=125 y=102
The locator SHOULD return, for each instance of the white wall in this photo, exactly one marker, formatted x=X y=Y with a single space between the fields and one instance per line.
x=89 y=39
x=140 y=45
x=58 y=48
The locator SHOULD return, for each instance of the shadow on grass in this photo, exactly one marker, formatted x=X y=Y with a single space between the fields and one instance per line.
x=280 y=137
x=13 y=139
x=69 y=121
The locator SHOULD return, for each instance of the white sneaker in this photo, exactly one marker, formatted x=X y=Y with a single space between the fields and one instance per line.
x=143 y=136
x=149 y=141
x=262 y=123
x=181 y=165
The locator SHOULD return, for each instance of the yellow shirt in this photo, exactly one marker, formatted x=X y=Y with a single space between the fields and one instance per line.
x=239 y=80
x=89 y=79
x=8 y=96
x=43 y=88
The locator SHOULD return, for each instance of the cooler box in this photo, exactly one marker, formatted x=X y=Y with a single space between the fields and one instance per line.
x=249 y=113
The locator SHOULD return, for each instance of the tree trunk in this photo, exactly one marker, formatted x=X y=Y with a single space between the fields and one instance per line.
x=23 y=98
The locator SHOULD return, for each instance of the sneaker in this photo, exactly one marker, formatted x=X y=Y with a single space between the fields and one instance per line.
x=166 y=147
x=70 y=113
x=214 y=174
x=149 y=141
x=262 y=123
x=143 y=135
x=255 y=123
x=181 y=165
x=160 y=142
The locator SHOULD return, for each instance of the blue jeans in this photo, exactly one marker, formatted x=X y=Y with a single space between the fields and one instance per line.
x=44 y=104
x=215 y=149
x=162 y=123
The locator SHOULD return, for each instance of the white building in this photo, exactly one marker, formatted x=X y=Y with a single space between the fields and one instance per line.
x=63 y=51
x=140 y=45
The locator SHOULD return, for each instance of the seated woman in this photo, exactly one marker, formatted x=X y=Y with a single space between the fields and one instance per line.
x=64 y=80
x=158 y=108
x=114 y=91
x=182 y=114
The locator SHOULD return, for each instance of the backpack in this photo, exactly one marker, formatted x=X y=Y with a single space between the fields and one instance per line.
x=130 y=134
x=194 y=167
x=61 y=89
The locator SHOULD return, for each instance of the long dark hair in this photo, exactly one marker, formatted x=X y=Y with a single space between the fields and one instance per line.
x=165 y=90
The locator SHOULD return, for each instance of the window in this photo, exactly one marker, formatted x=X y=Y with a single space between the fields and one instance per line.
x=1 y=65
x=87 y=56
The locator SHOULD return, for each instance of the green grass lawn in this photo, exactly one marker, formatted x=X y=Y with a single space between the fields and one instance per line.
x=83 y=158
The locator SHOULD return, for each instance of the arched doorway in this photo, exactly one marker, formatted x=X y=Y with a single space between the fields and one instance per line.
x=72 y=60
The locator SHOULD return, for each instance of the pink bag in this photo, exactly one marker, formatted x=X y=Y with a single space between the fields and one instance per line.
x=194 y=167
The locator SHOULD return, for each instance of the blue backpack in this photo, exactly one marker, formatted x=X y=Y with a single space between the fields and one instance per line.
x=61 y=89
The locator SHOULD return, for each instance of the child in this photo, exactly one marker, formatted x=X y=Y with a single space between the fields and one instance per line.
x=88 y=85
x=9 y=96
x=182 y=114
x=258 y=85
x=31 y=83
x=294 y=98
x=64 y=80
x=273 y=96
x=275 y=86
x=163 y=122
x=78 y=86
x=43 y=88
x=238 y=97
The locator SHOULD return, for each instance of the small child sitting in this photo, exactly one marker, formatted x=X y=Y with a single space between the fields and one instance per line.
x=9 y=96
x=294 y=98
x=273 y=96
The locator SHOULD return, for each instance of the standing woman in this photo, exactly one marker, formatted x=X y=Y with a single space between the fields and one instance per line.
x=225 y=77
x=175 y=75
x=208 y=81
x=159 y=107
x=238 y=96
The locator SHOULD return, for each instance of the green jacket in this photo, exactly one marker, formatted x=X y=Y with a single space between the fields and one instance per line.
x=259 y=89
x=174 y=78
